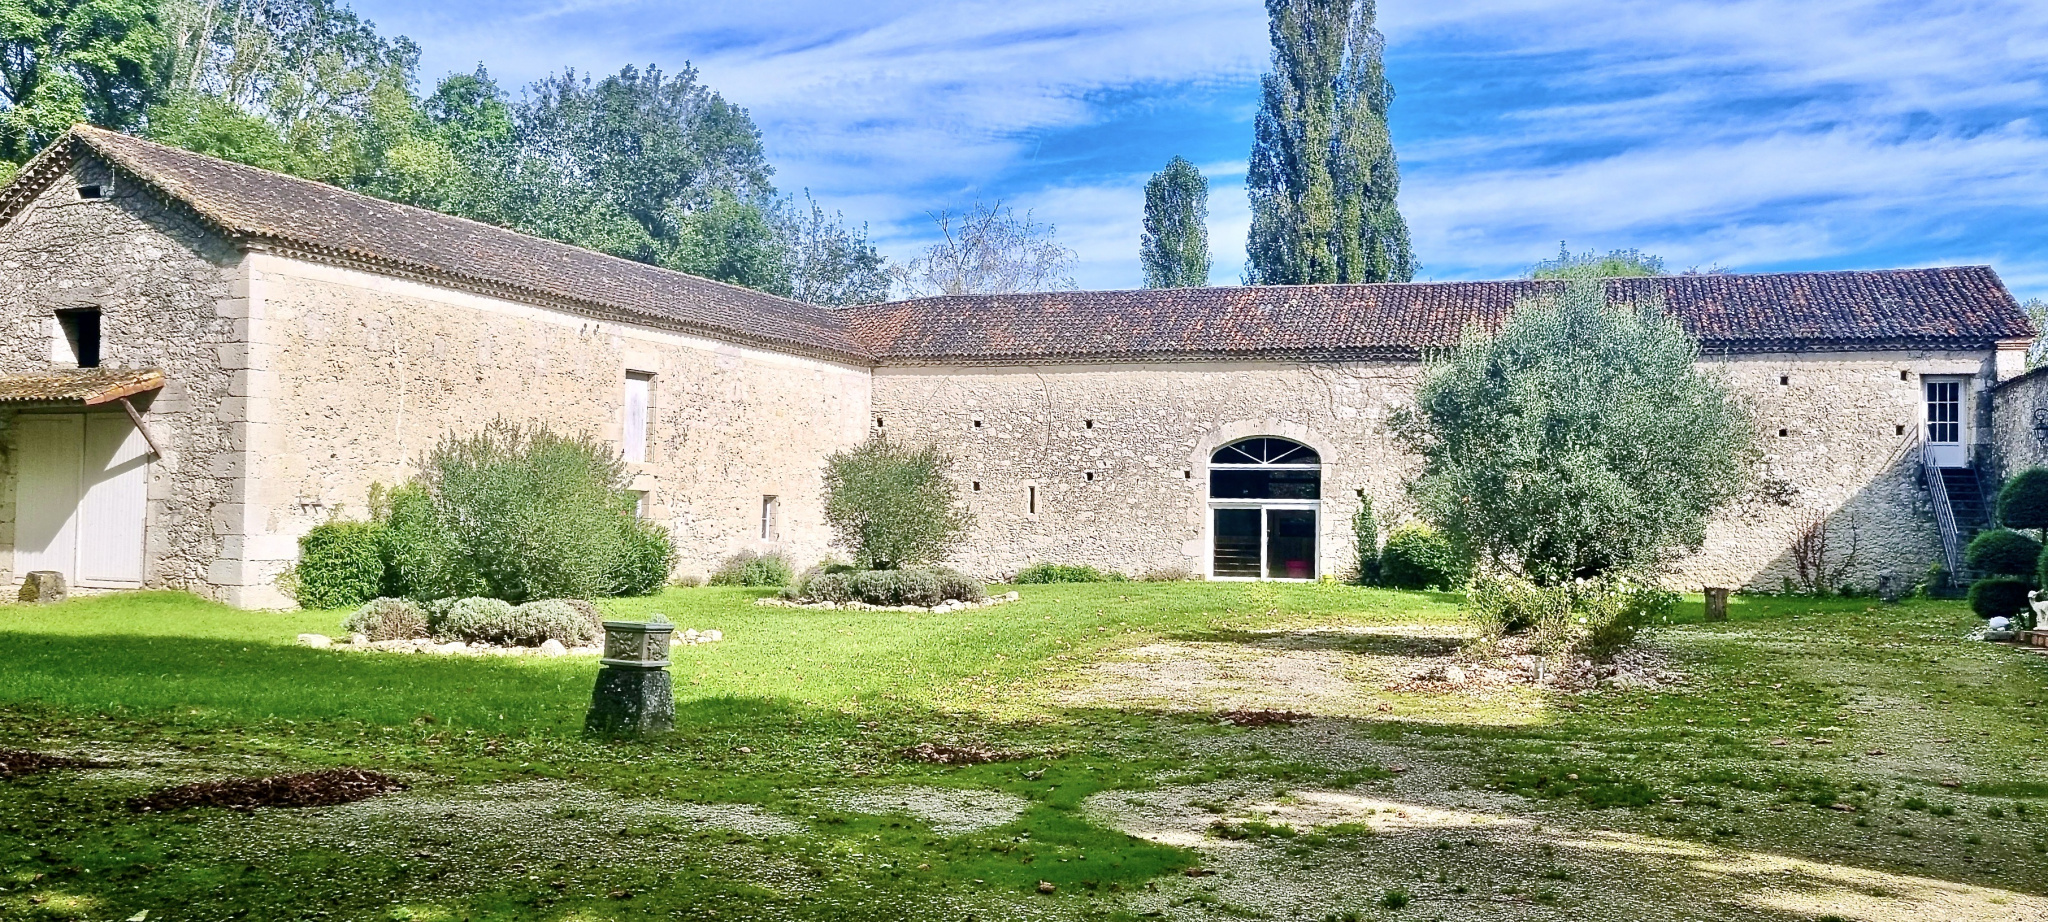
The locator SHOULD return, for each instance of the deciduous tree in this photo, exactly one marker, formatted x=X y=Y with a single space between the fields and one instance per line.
x=1581 y=439
x=989 y=250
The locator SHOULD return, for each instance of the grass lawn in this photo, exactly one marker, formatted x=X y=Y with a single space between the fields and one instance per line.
x=1823 y=759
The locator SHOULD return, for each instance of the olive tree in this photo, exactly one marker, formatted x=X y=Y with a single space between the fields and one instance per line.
x=893 y=506
x=1582 y=438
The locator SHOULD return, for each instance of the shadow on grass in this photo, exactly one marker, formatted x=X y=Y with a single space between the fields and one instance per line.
x=1367 y=643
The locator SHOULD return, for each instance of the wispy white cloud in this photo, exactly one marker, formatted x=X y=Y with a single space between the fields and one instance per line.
x=1749 y=133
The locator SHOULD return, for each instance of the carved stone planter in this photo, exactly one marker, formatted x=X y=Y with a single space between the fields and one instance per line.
x=634 y=693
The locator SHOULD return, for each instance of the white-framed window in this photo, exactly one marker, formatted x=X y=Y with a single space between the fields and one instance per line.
x=771 y=518
x=1265 y=502
x=640 y=504
x=639 y=402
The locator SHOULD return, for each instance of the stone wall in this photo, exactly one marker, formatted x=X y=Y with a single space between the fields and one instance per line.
x=1848 y=453
x=164 y=286
x=2018 y=407
x=355 y=375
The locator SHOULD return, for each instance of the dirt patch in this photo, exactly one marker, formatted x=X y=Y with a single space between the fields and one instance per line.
x=946 y=754
x=15 y=763
x=1244 y=718
x=1636 y=667
x=305 y=789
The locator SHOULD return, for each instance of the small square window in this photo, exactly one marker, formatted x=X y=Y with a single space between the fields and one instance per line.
x=1187 y=474
x=1090 y=475
x=977 y=424
x=1087 y=424
x=91 y=191
x=78 y=338
x=1784 y=432
x=977 y=486
x=1784 y=379
x=1898 y=430
x=878 y=422
x=1904 y=374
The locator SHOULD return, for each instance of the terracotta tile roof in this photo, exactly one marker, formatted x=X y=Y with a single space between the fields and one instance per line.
x=303 y=217
x=83 y=386
x=1956 y=307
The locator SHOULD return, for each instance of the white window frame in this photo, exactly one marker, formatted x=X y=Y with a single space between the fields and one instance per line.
x=1946 y=453
x=1265 y=526
x=639 y=416
x=771 y=514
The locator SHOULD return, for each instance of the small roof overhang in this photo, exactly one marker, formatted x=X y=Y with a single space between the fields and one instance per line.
x=82 y=387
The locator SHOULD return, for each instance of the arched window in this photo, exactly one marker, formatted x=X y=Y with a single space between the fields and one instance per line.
x=1265 y=468
x=1264 y=496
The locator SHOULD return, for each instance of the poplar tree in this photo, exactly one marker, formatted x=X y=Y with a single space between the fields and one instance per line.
x=1323 y=176
x=1175 y=246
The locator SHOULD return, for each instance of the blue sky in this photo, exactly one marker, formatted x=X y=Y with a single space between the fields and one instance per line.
x=1797 y=134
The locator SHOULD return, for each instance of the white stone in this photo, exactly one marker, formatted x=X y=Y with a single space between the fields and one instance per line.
x=552 y=647
x=713 y=636
x=1454 y=675
x=358 y=639
x=316 y=641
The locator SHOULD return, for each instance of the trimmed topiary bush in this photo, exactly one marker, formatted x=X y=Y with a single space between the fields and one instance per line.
x=2003 y=552
x=1418 y=557
x=751 y=568
x=341 y=564
x=2023 y=501
x=1999 y=596
x=1039 y=573
x=388 y=619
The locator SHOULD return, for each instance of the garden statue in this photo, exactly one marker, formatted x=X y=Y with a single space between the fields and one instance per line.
x=634 y=694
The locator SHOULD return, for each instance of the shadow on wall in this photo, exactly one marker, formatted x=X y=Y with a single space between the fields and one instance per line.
x=1886 y=525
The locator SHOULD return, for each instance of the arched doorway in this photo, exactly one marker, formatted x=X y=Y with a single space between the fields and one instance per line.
x=1265 y=495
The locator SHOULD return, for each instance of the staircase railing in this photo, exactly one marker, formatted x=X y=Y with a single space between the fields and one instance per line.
x=1944 y=517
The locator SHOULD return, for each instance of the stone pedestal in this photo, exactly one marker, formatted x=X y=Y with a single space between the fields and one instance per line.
x=634 y=694
x=44 y=586
x=1717 y=604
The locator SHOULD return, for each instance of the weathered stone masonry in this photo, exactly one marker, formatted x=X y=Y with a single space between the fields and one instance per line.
x=1851 y=424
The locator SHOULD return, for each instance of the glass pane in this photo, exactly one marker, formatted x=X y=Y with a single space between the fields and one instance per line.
x=1290 y=544
x=1265 y=484
x=1944 y=412
x=1237 y=542
x=1265 y=451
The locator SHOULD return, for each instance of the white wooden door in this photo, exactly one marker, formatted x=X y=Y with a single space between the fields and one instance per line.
x=1945 y=424
x=81 y=499
x=47 y=490
x=115 y=505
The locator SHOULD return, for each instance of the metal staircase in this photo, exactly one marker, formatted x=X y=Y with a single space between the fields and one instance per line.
x=1960 y=509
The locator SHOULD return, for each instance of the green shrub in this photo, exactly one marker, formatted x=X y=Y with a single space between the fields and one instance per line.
x=1592 y=617
x=480 y=620
x=519 y=513
x=2023 y=501
x=752 y=568
x=2003 y=552
x=590 y=614
x=916 y=586
x=468 y=619
x=1417 y=557
x=1365 y=530
x=955 y=586
x=340 y=564
x=891 y=506
x=1066 y=573
x=1499 y=606
x=1999 y=596
x=388 y=619
x=645 y=559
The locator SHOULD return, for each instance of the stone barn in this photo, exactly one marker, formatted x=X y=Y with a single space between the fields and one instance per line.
x=200 y=361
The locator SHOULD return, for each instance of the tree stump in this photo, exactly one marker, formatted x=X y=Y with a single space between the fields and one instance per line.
x=1717 y=604
x=44 y=586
